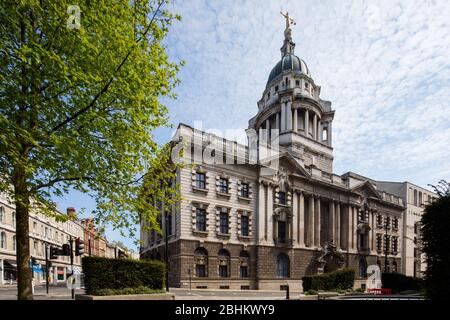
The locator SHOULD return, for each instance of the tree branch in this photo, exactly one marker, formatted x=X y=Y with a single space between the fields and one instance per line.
x=105 y=88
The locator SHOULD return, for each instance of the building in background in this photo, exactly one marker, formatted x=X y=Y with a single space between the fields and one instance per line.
x=44 y=232
x=95 y=242
x=415 y=198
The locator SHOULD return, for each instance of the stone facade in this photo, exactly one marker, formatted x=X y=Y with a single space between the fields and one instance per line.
x=276 y=214
x=415 y=197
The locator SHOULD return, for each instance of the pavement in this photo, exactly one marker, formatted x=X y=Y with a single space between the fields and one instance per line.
x=60 y=292
x=56 y=292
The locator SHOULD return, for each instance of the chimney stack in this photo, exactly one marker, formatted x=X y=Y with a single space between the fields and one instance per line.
x=72 y=213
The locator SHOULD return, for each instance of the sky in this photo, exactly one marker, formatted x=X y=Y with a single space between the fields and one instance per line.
x=384 y=65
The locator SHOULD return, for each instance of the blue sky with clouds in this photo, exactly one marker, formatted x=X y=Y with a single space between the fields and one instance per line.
x=384 y=65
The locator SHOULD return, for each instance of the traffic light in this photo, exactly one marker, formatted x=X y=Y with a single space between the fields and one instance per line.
x=79 y=247
x=66 y=249
x=54 y=253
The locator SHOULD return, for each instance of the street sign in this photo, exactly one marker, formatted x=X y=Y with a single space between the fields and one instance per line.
x=75 y=281
x=76 y=270
x=37 y=268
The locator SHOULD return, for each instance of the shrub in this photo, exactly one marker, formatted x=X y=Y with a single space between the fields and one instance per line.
x=138 y=290
x=340 y=279
x=360 y=290
x=311 y=293
x=105 y=273
x=399 y=282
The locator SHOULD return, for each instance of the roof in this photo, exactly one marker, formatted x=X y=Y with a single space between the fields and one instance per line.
x=289 y=62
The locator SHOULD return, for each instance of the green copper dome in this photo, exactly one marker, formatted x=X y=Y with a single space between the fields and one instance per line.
x=289 y=62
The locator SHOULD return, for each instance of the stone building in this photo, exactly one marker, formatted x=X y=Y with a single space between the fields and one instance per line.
x=44 y=232
x=264 y=214
x=416 y=198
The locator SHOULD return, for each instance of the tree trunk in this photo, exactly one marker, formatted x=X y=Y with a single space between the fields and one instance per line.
x=22 y=202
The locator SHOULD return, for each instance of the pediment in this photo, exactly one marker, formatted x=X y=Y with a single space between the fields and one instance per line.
x=287 y=162
x=367 y=190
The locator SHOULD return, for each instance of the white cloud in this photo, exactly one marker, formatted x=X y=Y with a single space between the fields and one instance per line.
x=383 y=64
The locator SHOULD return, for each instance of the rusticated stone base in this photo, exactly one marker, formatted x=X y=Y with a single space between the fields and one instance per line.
x=262 y=266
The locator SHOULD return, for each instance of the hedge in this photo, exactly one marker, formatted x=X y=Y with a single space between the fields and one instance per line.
x=340 y=279
x=106 y=273
x=398 y=282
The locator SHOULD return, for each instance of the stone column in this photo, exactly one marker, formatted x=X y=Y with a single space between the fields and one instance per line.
x=315 y=127
x=261 y=216
x=277 y=121
x=295 y=216
x=317 y=221
x=295 y=120
x=338 y=225
x=355 y=227
x=349 y=227
x=306 y=121
x=301 y=227
x=283 y=116
x=267 y=131
x=319 y=130
x=2 y=270
x=331 y=227
x=330 y=131
x=269 y=214
x=372 y=232
x=288 y=115
x=311 y=221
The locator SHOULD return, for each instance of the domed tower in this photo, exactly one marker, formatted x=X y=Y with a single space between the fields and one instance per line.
x=291 y=110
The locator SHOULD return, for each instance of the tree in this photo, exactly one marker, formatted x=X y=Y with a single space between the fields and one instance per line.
x=78 y=105
x=436 y=244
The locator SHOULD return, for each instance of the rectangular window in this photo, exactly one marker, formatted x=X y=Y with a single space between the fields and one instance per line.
x=244 y=190
x=200 y=180
x=224 y=222
x=200 y=270
x=223 y=185
x=297 y=83
x=379 y=243
x=223 y=271
x=243 y=271
x=282 y=231
x=282 y=197
x=201 y=219
x=244 y=226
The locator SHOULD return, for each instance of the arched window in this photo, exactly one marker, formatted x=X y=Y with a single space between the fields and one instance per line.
x=2 y=214
x=282 y=266
x=14 y=243
x=244 y=259
x=201 y=262
x=224 y=263
x=3 y=240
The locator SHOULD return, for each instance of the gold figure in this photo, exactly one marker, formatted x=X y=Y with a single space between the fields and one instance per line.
x=289 y=21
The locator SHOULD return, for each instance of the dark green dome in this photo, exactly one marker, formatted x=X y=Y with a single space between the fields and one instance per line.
x=289 y=62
